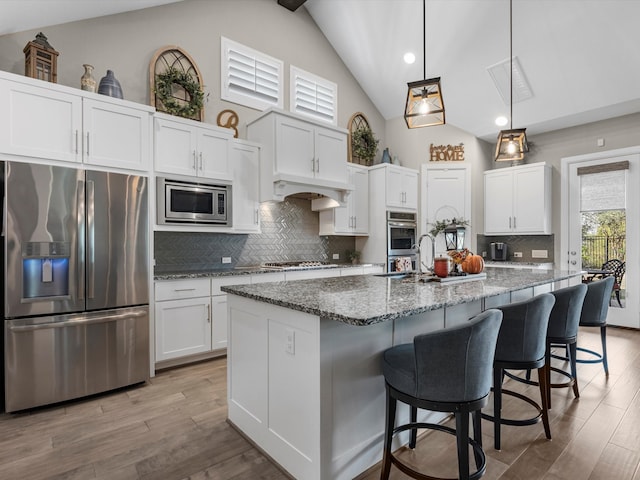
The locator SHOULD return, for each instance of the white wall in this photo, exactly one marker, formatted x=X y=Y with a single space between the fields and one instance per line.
x=125 y=43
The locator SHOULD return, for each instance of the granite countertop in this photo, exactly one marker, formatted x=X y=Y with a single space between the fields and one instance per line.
x=184 y=274
x=368 y=299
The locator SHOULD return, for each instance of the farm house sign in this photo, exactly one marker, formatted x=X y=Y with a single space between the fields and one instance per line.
x=446 y=153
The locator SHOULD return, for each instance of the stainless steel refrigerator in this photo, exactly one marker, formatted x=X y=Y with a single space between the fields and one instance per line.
x=76 y=293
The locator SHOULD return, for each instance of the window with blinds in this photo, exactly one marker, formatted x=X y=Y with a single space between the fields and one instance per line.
x=249 y=77
x=313 y=96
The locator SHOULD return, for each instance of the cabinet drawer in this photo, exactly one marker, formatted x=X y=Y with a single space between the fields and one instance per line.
x=177 y=289
x=216 y=283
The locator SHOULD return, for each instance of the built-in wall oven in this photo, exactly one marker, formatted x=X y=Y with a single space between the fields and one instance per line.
x=401 y=240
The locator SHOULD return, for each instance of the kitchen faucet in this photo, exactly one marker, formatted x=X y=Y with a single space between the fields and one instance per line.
x=433 y=251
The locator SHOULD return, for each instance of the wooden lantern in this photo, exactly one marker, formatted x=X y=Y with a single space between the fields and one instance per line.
x=41 y=60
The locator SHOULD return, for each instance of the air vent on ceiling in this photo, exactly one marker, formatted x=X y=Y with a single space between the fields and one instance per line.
x=500 y=76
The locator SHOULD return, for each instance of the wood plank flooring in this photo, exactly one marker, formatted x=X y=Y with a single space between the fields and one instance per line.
x=175 y=427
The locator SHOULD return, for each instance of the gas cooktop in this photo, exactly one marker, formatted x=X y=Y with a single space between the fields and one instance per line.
x=296 y=265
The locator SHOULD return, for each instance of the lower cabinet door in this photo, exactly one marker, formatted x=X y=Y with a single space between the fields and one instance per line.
x=219 y=313
x=183 y=327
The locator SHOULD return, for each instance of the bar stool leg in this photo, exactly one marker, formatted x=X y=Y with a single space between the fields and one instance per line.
x=498 y=374
x=462 y=441
x=388 y=435
x=543 y=376
x=574 y=370
x=603 y=337
x=477 y=434
x=414 y=431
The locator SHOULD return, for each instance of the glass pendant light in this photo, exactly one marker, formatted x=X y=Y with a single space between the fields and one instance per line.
x=424 y=107
x=512 y=144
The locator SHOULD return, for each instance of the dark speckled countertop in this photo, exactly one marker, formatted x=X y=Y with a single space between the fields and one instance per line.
x=368 y=299
x=183 y=274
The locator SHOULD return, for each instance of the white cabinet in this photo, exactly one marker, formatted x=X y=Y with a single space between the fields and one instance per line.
x=299 y=155
x=52 y=122
x=517 y=200
x=187 y=147
x=182 y=318
x=353 y=218
x=245 y=158
x=399 y=184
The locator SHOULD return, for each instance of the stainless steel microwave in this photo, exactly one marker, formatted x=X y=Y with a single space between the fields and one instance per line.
x=181 y=202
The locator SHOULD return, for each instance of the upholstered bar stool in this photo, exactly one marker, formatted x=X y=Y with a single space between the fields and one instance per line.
x=594 y=314
x=521 y=346
x=447 y=370
x=563 y=331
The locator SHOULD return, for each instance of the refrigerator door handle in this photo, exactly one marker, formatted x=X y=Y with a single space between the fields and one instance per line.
x=91 y=238
x=81 y=240
x=77 y=322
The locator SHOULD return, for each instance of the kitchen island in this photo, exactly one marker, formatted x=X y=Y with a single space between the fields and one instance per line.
x=304 y=377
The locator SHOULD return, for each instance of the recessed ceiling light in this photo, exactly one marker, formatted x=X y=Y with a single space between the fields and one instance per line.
x=501 y=121
x=409 y=58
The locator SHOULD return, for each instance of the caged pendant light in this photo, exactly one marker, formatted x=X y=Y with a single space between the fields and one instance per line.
x=512 y=144
x=424 y=106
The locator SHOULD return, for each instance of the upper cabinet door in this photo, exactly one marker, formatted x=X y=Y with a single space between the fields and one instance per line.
x=360 y=200
x=39 y=122
x=294 y=147
x=213 y=155
x=175 y=148
x=115 y=136
x=531 y=200
x=330 y=153
x=498 y=202
x=410 y=182
x=246 y=199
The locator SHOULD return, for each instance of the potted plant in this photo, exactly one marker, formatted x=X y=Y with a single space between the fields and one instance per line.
x=364 y=144
x=354 y=256
x=439 y=225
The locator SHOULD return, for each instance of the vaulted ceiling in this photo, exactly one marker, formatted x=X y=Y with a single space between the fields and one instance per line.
x=580 y=58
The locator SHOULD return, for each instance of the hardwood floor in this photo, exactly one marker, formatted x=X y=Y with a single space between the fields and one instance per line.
x=175 y=428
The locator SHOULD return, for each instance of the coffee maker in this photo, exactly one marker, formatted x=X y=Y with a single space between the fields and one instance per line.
x=498 y=251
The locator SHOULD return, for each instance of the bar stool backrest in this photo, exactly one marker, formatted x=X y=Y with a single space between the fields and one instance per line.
x=566 y=311
x=596 y=302
x=523 y=334
x=457 y=362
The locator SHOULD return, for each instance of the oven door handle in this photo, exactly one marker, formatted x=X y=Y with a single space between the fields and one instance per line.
x=402 y=224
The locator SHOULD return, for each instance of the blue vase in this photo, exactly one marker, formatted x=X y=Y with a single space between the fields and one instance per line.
x=109 y=85
x=386 y=158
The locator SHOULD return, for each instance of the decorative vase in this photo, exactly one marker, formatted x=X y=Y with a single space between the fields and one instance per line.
x=109 y=85
x=87 y=82
x=386 y=158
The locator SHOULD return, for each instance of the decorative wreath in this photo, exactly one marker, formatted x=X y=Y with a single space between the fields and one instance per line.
x=164 y=92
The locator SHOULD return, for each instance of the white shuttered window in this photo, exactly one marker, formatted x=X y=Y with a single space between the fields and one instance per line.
x=249 y=77
x=313 y=96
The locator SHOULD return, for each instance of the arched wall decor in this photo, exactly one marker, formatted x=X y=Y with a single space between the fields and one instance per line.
x=169 y=59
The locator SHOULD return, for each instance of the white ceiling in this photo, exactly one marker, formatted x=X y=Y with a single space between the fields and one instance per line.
x=580 y=57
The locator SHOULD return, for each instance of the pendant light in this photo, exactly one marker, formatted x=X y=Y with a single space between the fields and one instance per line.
x=512 y=143
x=424 y=106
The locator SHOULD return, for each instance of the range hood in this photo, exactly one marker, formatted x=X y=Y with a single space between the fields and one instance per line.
x=300 y=156
x=329 y=194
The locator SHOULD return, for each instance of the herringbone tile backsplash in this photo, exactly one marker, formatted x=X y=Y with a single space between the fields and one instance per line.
x=289 y=233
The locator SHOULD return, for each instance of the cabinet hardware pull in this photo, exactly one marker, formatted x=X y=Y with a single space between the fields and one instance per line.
x=201 y=161
x=87 y=144
x=257 y=215
x=183 y=289
x=194 y=160
x=318 y=165
x=208 y=313
x=514 y=222
x=76 y=142
x=313 y=164
x=509 y=222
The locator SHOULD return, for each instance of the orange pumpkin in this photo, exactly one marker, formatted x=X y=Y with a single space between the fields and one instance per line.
x=473 y=264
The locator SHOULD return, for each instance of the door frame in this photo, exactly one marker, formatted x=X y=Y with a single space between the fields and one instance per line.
x=633 y=186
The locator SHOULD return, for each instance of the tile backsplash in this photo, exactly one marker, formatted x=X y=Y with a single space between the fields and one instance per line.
x=289 y=233
x=519 y=243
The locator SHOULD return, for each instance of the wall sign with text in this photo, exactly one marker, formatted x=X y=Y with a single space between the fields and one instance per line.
x=446 y=153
